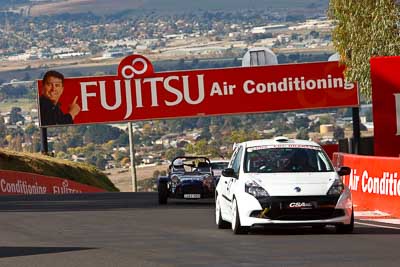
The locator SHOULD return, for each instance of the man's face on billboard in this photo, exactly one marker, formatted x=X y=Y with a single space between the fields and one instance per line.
x=53 y=88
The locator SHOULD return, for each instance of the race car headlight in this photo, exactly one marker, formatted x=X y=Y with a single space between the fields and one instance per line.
x=255 y=189
x=336 y=188
x=175 y=179
x=208 y=181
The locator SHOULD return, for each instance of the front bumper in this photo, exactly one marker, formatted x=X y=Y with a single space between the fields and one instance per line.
x=192 y=188
x=296 y=210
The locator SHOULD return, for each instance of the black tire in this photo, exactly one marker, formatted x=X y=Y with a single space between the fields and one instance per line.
x=162 y=193
x=221 y=223
x=319 y=227
x=346 y=228
x=237 y=228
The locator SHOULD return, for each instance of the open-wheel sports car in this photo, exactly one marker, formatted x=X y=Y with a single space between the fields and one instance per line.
x=189 y=177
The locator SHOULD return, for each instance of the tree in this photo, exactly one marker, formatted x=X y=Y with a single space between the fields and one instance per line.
x=3 y=129
x=123 y=139
x=302 y=134
x=91 y=159
x=16 y=143
x=15 y=115
x=201 y=147
x=203 y=122
x=239 y=136
x=325 y=119
x=300 y=122
x=124 y=161
x=73 y=140
x=99 y=134
x=338 y=133
x=205 y=133
x=31 y=129
x=156 y=173
x=368 y=115
x=60 y=146
x=101 y=163
x=314 y=34
x=173 y=153
x=364 y=29
x=147 y=129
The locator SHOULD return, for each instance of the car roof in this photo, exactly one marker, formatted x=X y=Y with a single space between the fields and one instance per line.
x=191 y=158
x=185 y=159
x=279 y=141
x=219 y=160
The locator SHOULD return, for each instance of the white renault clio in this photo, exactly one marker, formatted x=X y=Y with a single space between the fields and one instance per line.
x=282 y=181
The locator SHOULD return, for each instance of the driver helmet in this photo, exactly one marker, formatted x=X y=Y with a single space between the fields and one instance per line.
x=178 y=163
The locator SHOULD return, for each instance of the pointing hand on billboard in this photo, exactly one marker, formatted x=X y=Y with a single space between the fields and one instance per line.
x=74 y=108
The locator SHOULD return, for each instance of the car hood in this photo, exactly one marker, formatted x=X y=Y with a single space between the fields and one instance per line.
x=192 y=177
x=217 y=172
x=300 y=184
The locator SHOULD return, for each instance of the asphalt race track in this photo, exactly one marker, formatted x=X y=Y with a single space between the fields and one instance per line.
x=131 y=229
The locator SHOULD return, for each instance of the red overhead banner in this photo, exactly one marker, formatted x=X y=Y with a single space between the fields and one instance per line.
x=386 y=105
x=138 y=93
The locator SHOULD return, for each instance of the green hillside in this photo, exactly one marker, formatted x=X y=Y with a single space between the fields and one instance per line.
x=49 y=166
x=230 y=4
x=174 y=6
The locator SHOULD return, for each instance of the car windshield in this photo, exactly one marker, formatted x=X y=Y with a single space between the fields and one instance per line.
x=286 y=159
x=219 y=165
x=189 y=165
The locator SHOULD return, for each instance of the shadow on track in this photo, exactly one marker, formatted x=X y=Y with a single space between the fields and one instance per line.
x=25 y=251
x=329 y=230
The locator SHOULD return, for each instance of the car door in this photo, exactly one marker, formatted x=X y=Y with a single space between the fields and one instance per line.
x=223 y=187
x=231 y=183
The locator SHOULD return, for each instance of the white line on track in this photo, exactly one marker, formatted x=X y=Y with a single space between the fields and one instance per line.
x=375 y=213
x=384 y=220
x=377 y=225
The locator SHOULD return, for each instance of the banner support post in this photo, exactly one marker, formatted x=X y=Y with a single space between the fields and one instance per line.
x=356 y=130
x=44 y=147
x=132 y=153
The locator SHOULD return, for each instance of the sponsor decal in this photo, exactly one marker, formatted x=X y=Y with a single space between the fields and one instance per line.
x=251 y=149
x=14 y=182
x=298 y=205
x=65 y=189
x=374 y=182
x=21 y=187
x=385 y=184
x=138 y=93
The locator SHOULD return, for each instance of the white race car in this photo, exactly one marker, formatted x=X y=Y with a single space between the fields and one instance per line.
x=284 y=182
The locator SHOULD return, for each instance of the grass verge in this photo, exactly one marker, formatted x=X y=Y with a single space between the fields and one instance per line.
x=49 y=166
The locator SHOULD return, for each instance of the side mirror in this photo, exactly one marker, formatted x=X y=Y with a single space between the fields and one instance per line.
x=228 y=172
x=344 y=171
